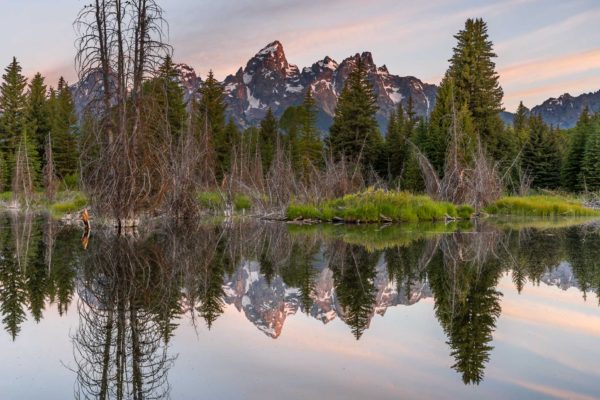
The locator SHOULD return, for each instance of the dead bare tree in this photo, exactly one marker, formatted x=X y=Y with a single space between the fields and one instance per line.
x=469 y=178
x=124 y=162
x=23 y=178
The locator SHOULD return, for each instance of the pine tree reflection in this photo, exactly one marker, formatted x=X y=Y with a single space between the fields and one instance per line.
x=463 y=278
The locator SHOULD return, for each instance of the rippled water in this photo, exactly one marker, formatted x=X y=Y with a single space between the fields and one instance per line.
x=249 y=310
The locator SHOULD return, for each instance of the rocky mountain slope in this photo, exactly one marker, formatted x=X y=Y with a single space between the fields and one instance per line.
x=267 y=306
x=563 y=111
x=269 y=81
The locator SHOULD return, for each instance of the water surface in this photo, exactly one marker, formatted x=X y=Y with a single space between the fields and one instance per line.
x=249 y=310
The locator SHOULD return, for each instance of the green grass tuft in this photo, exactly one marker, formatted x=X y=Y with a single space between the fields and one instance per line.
x=379 y=206
x=241 y=202
x=211 y=200
x=69 y=205
x=540 y=206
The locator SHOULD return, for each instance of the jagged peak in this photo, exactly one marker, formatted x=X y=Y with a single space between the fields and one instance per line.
x=329 y=63
x=383 y=70
x=272 y=48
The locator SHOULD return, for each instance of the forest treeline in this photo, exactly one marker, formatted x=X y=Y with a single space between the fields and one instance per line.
x=139 y=148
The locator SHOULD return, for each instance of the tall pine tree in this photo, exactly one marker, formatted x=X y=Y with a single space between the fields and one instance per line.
x=38 y=115
x=572 y=172
x=591 y=158
x=268 y=136
x=476 y=83
x=355 y=133
x=310 y=147
x=541 y=155
x=64 y=130
x=212 y=115
x=13 y=121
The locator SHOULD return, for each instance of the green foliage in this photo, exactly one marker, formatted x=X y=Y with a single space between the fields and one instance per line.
x=310 y=147
x=70 y=182
x=290 y=123
x=377 y=206
x=590 y=166
x=268 y=137
x=355 y=133
x=476 y=82
x=72 y=203
x=211 y=111
x=38 y=113
x=167 y=95
x=64 y=130
x=13 y=121
x=541 y=155
x=241 y=202
x=572 y=172
x=211 y=200
x=541 y=206
x=225 y=147
x=435 y=143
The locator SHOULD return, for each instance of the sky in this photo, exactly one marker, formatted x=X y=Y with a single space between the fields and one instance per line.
x=545 y=47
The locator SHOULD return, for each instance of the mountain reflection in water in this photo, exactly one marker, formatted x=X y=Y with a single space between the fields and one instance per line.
x=132 y=292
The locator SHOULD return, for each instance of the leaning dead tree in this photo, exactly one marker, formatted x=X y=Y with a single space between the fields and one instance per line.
x=124 y=158
x=469 y=176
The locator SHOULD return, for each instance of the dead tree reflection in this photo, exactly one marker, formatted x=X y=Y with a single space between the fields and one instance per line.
x=120 y=347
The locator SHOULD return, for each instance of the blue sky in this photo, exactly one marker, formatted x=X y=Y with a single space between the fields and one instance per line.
x=545 y=47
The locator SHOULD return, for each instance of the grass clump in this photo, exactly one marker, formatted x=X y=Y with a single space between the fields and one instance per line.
x=540 y=206
x=69 y=204
x=211 y=200
x=379 y=206
x=6 y=196
x=241 y=202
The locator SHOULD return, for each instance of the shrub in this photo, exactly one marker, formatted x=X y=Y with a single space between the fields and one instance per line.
x=540 y=206
x=211 y=200
x=70 y=205
x=379 y=206
x=241 y=202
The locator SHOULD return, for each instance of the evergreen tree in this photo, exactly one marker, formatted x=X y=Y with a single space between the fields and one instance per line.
x=290 y=123
x=572 y=172
x=355 y=133
x=64 y=130
x=167 y=94
x=395 y=144
x=212 y=115
x=591 y=157
x=411 y=114
x=310 y=147
x=412 y=179
x=436 y=143
x=541 y=155
x=231 y=139
x=521 y=122
x=477 y=83
x=268 y=135
x=38 y=116
x=13 y=105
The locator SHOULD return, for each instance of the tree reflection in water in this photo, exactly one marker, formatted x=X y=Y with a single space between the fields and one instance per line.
x=125 y=305
x=133 y=292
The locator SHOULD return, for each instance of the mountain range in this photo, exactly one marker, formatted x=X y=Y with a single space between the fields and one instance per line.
x=268 y=80
x=268 y=305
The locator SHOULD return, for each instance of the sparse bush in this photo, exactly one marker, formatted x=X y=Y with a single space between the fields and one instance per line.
x=541 y=206
x=211 y=201
x=242 y=202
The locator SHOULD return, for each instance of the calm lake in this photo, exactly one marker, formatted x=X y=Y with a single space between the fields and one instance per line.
x=252 y=310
